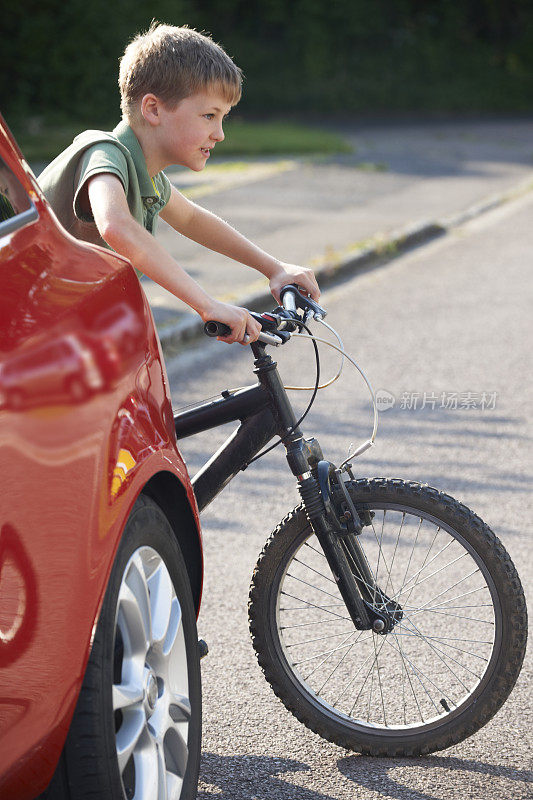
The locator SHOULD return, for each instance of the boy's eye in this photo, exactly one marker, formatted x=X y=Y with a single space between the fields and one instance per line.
x=209 y=116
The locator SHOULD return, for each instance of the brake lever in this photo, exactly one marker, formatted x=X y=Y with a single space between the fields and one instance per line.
x=302 y=301
x=275 y=339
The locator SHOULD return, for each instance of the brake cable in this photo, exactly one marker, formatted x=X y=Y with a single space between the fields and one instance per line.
x=369 y=443
x=332 y=380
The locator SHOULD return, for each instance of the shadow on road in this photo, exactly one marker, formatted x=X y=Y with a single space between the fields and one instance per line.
x=371 y=773
x=247 y=777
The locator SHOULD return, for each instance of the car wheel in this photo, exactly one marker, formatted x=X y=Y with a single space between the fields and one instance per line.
x=136 y=731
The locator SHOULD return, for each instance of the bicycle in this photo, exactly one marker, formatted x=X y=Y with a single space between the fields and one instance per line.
x=386 y=615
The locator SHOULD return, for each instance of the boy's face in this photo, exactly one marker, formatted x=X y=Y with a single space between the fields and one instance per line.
x=187 y=134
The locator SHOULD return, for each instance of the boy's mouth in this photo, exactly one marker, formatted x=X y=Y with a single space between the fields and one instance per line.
x=206 y=151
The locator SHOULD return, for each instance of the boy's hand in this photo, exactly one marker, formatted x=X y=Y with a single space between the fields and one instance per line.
x=244 y=328
x=291 y=273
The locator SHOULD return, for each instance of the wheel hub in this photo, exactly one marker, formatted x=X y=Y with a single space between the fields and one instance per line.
x=151 y=690
x=386 y=617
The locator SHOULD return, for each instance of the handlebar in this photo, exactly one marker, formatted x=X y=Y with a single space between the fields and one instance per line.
x=292 y=299
x=213 y=328
x=276 y=326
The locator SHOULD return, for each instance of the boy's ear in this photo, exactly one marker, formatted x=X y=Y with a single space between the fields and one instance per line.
x=150 y=109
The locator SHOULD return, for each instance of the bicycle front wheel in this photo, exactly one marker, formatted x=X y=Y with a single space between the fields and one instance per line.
x=446 y=666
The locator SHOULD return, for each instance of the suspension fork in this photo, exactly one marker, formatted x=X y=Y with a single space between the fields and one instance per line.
x=305 y=457
x=331 y=545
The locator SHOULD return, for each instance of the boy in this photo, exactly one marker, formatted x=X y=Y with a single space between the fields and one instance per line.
x=176 y=87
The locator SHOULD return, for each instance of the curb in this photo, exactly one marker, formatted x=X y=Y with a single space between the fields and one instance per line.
x=380 y=251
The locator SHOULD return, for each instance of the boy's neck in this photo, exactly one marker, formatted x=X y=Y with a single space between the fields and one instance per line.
x=154 y=163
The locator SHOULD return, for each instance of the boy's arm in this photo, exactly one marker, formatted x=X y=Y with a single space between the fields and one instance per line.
x=209 y=230
x=124 y=234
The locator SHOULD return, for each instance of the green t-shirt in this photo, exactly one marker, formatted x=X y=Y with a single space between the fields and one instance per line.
x=93 y=152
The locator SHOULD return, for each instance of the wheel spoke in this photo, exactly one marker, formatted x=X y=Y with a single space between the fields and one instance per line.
x=174 y=785
x=448 y=656
x=449 y=588
x=380 y=686
x=321 y=664
x=453 y=647
x=127 y=736
x=297 y=561
x=320 y=553
x=404 y=668
x=431 y=560
x=395 y=549
x=435 y=650
x=370 y=670
x=417 y=562
x=417 y=673
x=319 y=639
x=151 y=694
x=336 y=667
x=180 y=709
x=439 y=605
x=423 y=563
x=444 y=639
x=161 y=595
x=318 y=589
x=306 y=608
x=173 y=627
x=441 y=569
x=126 y=695
x=381 y=555
x=148 y=771
x=134 y=622
x=415 y=611
x=380 y=551
x=176 y=750
x=412 y=551
x=314 y=605
x=306 y=624
x=325 y=653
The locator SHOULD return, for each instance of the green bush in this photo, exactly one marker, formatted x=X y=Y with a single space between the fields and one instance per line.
x=345 y=57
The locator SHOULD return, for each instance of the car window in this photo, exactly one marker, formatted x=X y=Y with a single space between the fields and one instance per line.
x=16 y=208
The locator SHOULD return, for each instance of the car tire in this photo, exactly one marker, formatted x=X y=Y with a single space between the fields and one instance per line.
x=137 y=723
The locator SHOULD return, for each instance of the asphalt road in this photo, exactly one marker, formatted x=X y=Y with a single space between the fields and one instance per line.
x=451 y=317
x=399 y=174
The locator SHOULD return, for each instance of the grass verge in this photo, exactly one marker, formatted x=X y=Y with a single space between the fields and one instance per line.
x=276 y=137
x=41 y=140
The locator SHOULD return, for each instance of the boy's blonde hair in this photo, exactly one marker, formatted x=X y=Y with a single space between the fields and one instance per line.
x=174 y=63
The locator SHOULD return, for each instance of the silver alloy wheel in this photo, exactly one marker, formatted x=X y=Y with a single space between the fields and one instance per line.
x=150 y=686
x=432 y=662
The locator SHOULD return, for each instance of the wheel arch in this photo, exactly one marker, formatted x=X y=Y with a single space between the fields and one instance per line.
x=170 y=495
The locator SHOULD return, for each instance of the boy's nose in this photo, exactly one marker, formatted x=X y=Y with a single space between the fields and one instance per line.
x=218 y=134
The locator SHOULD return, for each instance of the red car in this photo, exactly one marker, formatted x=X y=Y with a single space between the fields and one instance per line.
x=100 y=548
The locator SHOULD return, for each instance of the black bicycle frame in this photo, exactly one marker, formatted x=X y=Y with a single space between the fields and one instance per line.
x=263 y=410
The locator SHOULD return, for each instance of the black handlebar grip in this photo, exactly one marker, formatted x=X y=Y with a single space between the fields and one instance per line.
x=289 y=287
x=213 y=328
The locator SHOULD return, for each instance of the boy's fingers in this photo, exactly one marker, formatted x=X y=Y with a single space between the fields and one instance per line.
x=252 y=330
x=242 y=326
x=312 y=287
